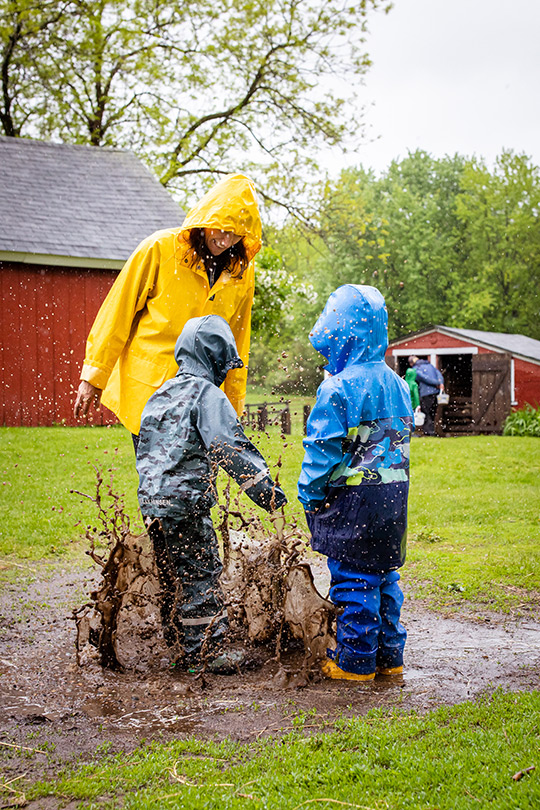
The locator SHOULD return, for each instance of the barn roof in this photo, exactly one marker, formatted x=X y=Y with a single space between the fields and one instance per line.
x=514 y=344
x=63 y=202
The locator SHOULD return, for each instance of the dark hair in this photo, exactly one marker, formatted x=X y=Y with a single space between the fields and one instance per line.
x=234 y=259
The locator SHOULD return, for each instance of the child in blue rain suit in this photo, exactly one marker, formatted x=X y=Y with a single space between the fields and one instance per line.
x=354 y=482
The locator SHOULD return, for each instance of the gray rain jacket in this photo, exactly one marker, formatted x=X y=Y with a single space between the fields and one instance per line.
x=189 y=427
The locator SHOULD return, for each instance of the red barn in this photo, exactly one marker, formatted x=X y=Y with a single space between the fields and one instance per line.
x=70 y=217
x=485 y=374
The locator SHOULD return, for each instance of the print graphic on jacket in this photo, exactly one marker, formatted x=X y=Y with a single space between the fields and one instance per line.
x=375 y=453
x=354 y=480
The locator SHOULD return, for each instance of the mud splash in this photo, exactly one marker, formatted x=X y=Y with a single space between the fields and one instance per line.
x=54 y=711
x=64 y=712
x=270 y=594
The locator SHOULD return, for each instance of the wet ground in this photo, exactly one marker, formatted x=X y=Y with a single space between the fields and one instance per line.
x=52 y=711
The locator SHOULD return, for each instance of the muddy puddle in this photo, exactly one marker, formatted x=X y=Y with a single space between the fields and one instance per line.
x=62 y=711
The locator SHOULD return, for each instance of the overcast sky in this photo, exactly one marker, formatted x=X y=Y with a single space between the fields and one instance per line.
x=452 y=76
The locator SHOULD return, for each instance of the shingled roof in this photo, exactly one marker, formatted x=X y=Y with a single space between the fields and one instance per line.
x=61 y=202
x=511 y=343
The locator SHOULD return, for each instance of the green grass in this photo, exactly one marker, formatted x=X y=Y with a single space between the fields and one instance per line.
x=474 y=542
x=39 y=516
x=474 y=516
x=474 y=520
x=452 y=758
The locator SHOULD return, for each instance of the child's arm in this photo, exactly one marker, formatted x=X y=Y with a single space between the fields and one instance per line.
x=228 y=446
x=323 y=447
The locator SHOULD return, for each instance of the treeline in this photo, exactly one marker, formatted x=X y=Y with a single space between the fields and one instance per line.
x=447 y=241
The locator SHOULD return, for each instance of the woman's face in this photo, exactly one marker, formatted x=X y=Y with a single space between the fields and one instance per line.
x=218 y=241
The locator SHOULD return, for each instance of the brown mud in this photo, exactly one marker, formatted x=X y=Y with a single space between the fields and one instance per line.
x=53 y=711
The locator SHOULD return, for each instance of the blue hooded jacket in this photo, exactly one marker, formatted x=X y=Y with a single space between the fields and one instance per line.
x=428 y=377
x=355 y=475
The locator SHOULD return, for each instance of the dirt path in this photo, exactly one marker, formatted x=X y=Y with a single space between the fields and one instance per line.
x=50 y=704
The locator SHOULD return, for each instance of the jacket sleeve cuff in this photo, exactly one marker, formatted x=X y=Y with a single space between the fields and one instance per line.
x=95 y=376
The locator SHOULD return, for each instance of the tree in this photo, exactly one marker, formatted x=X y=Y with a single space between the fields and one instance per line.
x=279 y=357
x=25 y=29
x=197 y=86
x=500 y=210
x=399 y=233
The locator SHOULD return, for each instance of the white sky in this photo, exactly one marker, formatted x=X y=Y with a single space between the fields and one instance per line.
x=451 y=76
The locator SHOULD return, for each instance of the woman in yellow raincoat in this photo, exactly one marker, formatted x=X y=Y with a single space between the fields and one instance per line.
x=204 y=267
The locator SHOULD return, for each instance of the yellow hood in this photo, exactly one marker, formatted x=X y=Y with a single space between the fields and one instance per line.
x=230 y=205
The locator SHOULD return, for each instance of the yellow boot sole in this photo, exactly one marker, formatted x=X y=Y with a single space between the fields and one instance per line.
x=331 y=670
x=390 y=670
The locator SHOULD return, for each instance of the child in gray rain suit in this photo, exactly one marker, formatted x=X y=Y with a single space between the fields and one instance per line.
x=188 y=428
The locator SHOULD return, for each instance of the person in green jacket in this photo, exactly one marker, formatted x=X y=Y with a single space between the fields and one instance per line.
x=410 y=379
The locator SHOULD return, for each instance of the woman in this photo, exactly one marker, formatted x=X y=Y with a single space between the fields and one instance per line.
x=204 y=267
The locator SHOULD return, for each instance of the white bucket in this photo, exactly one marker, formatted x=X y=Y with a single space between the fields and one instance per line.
x=443 y=399
x=419 y=418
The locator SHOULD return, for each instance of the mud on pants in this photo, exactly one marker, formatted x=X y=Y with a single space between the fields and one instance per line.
x=189 y=566
x=369 y=633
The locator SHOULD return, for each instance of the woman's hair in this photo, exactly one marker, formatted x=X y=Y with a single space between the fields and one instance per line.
x=234 y=259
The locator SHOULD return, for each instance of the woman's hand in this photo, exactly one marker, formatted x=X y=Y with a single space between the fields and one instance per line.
x=86 y=394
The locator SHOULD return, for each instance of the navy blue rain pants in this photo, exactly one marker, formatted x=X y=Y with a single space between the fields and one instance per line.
x=369 y=633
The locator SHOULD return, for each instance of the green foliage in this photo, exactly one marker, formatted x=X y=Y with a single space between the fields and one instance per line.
x=525 y=422
x=276 y=292
x=446 y=241
x=399 y=233
x=197 y=87
x=387 y=759
x=279 y=359
x=500 y=210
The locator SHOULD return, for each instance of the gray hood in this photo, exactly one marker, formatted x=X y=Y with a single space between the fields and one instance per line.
x=206 y=348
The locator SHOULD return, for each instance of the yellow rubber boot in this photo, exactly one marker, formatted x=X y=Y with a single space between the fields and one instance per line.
x=331 y=670
x=390 y=670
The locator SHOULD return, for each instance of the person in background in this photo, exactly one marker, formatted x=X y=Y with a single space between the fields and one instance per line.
x=410 y=379
x=188 y=428
x=430 y=384
x=203 y=267
x=354 y=482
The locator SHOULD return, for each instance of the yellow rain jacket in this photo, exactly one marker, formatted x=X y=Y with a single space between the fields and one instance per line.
x=130 y=348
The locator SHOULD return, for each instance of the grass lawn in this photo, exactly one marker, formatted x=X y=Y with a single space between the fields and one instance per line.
x=473 y=542
x=474 y=517
x=453 y=758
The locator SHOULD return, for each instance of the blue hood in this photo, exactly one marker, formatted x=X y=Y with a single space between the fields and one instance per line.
x=353 y=327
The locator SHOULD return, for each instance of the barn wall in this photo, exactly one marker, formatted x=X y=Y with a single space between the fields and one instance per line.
x=527 y=383
x=46 y=315
x=430 y=342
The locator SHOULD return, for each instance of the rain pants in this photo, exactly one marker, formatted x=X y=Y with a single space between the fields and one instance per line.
x=130 y=348
x=355 y=477
x=188 y=428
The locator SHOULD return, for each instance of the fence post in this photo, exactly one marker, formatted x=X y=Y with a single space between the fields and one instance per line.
x=262 y=417
x=286 y=420
x=307 y=411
